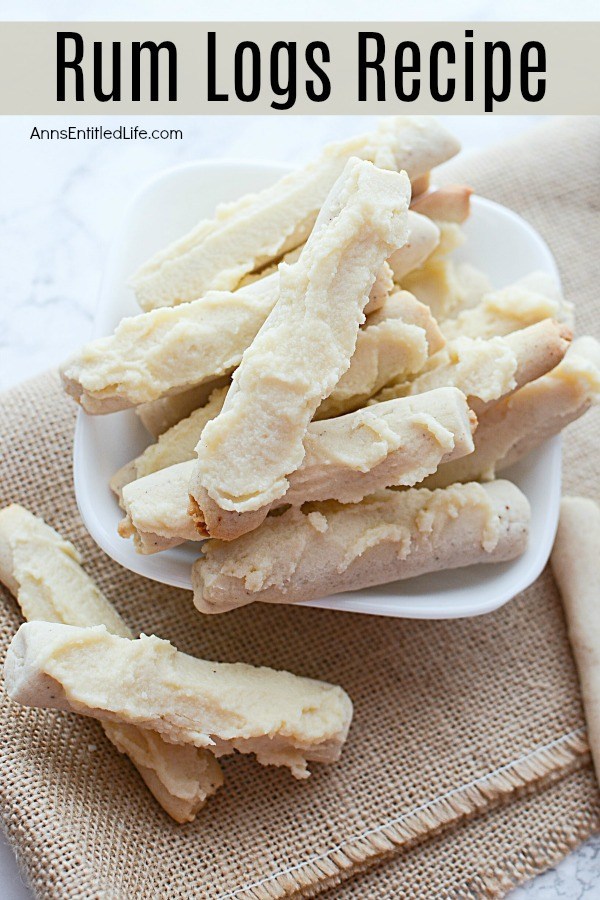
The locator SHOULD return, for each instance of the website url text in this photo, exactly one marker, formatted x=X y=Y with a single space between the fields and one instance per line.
x=100 y=133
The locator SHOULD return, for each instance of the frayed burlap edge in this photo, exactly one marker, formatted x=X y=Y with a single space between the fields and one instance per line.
x=534 y=771
x=517 y=868
x=496 y=886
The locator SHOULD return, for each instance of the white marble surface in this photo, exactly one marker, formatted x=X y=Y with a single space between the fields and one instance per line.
x=61 y=202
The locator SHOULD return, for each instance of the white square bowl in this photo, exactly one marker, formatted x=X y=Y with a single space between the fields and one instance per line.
x=499 y=242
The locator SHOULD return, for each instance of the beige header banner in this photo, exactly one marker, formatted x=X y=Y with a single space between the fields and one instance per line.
x=190 y=68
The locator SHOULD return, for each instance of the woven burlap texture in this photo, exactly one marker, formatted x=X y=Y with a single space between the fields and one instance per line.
x=463 y=729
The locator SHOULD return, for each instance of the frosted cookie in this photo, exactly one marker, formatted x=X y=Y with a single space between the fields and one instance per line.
x=517 y=424
x=501 y=312
x=284 y=719
x=168 y=350
x=396 y=342
x=576 y=567
x=306 y=344
x=485 y=370
x=394 y=443
x=316 y=551
x=43 y=572
x=251 y=232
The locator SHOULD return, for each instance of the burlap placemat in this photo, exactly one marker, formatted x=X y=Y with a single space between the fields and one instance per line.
x=464 y=730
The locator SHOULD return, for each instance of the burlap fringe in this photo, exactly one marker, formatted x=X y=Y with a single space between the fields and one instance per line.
x=497 y=886
x=317 y=873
